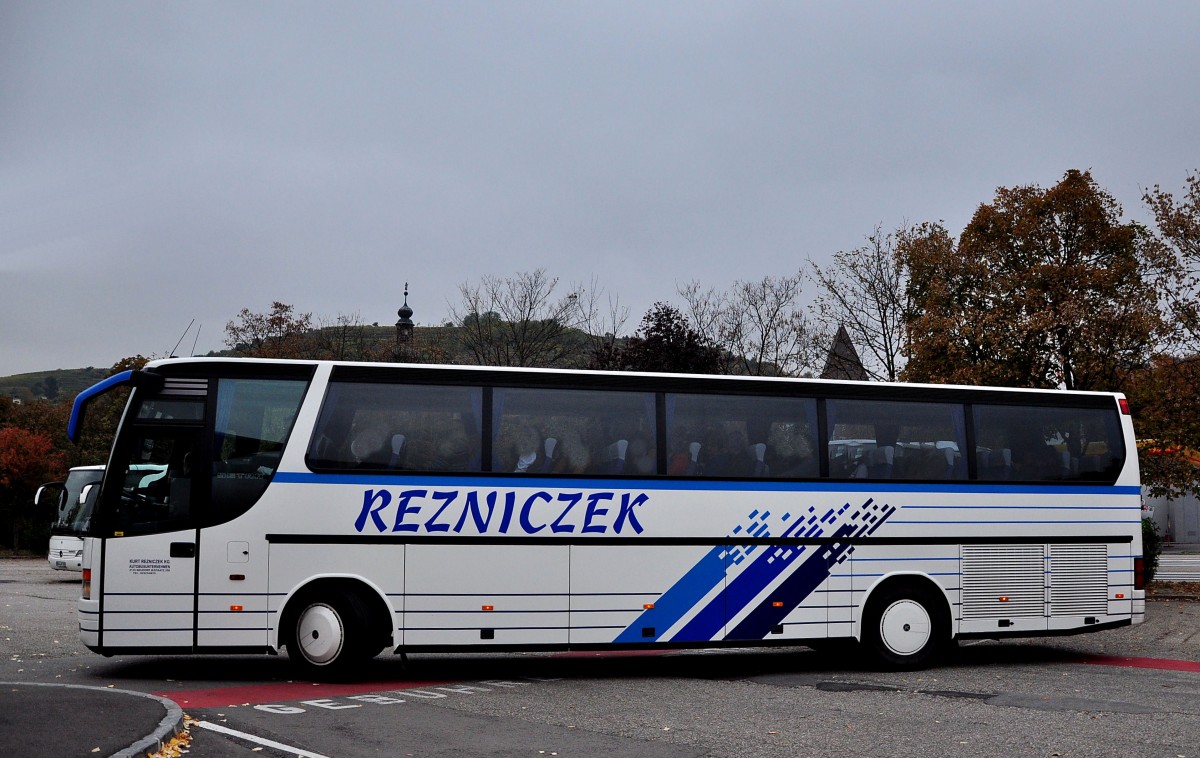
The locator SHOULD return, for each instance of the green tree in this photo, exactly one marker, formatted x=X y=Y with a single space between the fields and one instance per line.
x=1045 y=288
x=663 y=342
x=1151 y=548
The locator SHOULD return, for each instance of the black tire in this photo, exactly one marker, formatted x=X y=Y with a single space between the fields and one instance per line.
x=905 y=626
x=327 y=635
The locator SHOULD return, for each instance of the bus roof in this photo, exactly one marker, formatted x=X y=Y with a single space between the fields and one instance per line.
x=155 y=365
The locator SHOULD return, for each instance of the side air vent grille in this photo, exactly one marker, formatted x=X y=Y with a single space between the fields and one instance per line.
x=1078 y=579
x=1003 y=581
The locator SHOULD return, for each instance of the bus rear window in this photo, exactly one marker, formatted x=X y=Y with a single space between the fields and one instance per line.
x=1027 y=444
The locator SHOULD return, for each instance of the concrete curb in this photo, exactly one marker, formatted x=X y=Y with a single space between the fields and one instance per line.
x=170 y=725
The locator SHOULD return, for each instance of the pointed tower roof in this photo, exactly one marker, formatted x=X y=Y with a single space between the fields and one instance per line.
x=843 y=361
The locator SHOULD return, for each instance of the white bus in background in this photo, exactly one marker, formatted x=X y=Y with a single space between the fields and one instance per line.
x=336 y=510
x=73 y=512
x=73 y=500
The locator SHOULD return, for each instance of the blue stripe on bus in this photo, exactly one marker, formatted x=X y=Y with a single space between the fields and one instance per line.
x=1021 y=507
x=763 y=571
x=302 y=477
x=858 y=560
x=686 y=594
x=800 y=583
x=679 y=599
x=790 y=593
x=740 y=591
x=1024 y=522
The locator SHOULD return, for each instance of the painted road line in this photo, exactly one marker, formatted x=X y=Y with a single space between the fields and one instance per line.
x=283 y=691
x=1127 y=661
x=290 y=750
x=308 y=692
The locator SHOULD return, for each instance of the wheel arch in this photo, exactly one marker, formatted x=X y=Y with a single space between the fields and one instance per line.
x=381 y=615
x=904 y=579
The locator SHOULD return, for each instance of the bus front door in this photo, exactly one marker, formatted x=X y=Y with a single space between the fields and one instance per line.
x=150 y=544
x=148 y=597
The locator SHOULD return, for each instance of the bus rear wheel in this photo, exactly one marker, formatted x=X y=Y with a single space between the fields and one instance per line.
x=905 y=626
x=328 y=635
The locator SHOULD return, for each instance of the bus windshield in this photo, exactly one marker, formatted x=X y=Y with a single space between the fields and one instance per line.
x=74 y=512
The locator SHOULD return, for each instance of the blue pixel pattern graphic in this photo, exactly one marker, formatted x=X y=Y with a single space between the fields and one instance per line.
x=730 y=577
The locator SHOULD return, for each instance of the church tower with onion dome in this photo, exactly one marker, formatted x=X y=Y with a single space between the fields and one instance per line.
x=404 y=327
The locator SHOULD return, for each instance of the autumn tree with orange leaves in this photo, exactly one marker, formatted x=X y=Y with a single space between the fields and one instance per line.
x=1044 y=288
x=278 y=333
x=1166 y=396
x=27 y=459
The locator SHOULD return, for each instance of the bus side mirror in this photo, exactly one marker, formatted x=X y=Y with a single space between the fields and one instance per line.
x=82 y=514
x=48 y=490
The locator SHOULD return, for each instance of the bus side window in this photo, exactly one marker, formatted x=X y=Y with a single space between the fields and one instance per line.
x=741 y=436
x=254 y=421
x=1047 y=444
x=566 y=431
x=872 y=439
x=398 y=427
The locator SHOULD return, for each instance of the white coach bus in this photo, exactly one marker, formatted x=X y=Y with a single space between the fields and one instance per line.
x=72 y=499
x=336 y=510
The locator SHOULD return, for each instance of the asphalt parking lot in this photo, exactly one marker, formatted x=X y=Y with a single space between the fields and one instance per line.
x=1130 y=691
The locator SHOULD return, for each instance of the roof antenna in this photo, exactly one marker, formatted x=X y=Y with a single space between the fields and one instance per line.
x=185 y=331
x=198 y=328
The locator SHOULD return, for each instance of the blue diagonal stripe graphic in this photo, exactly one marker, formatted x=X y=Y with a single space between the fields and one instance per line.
x=679 y=599
x=807 y=577
x=710 y=621
x=712 y=571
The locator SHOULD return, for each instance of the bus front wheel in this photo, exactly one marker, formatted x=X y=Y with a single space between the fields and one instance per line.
x=905 y=626
x=328 y=634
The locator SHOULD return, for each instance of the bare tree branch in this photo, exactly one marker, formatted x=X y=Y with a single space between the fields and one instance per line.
x=863 y=290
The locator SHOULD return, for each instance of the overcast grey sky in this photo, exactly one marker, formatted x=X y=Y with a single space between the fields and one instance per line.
x=168 y=161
